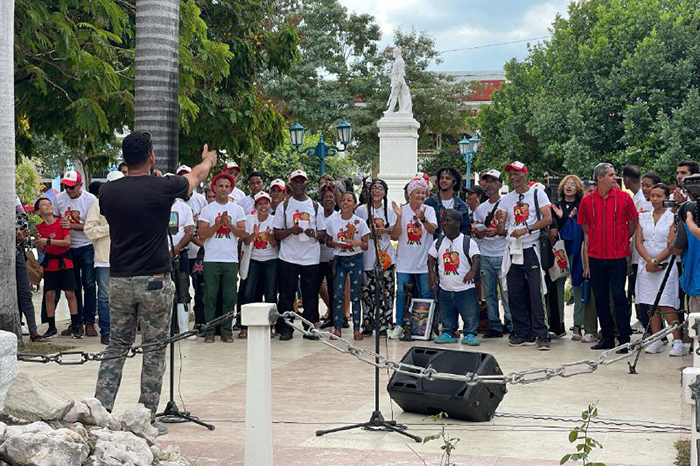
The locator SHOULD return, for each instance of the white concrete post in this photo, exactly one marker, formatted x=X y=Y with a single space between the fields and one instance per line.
x=690 y=375
x=258 y=405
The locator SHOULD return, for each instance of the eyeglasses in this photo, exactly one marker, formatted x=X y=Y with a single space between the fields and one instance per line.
x=377 y=188
x=569 y=183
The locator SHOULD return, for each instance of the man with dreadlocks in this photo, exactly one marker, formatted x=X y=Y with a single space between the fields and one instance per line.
x=448 y=181
x=378 y=212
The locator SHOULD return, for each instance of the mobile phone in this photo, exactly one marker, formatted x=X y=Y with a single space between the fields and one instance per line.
x=669 y=204
x=480 y=227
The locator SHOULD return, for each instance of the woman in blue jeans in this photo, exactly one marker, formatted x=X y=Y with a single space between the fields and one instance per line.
x=347 y=234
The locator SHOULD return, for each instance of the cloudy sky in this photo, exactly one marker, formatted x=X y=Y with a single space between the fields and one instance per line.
x=458 y=24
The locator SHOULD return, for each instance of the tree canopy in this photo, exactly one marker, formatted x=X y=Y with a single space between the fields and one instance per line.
x=618 y=82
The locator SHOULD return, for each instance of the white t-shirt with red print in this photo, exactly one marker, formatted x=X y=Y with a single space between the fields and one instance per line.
x=180 y=218
x=415 y=241
x=344 y=231
x=76 y=211
x=495 y=245
x=262 y=249
x=521 y=213
x=222 y=246
x=300 y=249
x=387 y=254
x=453 y=265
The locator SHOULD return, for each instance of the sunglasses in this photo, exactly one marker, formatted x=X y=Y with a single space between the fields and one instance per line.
x=70 y=188
x=521 y=196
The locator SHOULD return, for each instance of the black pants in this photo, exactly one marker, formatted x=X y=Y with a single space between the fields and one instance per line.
x=24 y=291
x=198 y=283
x=608 y=276
x=307 y=275
x=525 y=298
x=556 y=325
x=324 y=271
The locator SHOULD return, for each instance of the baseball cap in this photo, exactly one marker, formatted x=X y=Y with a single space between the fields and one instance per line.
x=114 y=175
x=279 y=183
x=72 y=178
x=298 y=173
x=536 y=185
x=184 y=168
x=261 y=195
x=495 y=174
x=517 y=166
x=228 y=176
x=231 y=166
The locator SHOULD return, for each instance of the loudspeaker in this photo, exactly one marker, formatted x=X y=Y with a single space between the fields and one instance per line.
x=475 y=403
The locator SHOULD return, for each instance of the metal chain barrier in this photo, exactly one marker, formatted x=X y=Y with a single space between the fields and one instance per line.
x=525 y=377
x=75 y=358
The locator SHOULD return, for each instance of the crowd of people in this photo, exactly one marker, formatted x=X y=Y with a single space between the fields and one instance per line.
x=506 y=256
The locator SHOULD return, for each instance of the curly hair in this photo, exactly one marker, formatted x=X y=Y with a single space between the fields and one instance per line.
x=577 y=182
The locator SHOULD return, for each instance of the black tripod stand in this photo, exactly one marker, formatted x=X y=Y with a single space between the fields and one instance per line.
x=172 y=414
x=376 y=421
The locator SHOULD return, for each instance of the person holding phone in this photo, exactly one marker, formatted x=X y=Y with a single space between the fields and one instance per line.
x=652 y=243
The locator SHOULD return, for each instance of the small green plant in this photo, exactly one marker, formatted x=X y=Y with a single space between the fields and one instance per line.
x=682 y=452
x=448 y=443
x=586 y=444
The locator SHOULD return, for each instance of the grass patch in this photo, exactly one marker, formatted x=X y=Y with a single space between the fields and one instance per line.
x=682 y=452
x=44 y=348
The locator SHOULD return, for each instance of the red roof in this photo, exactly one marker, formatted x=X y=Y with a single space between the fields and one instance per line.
x=484 y=91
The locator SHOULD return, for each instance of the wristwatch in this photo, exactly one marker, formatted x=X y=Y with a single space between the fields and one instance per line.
x=48 y=241
x=528 y=229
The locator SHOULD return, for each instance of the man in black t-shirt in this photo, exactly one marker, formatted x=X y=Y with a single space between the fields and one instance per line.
x=137 y=208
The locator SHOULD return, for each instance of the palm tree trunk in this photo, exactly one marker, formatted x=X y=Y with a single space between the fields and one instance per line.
x=9 y=314
x=157 y=73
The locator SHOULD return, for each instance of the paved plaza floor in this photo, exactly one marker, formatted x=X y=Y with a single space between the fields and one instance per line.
x=314 y=387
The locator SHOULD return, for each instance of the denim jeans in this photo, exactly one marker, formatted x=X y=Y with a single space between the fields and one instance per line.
x=261 y=274
x=423 y=290
x=353 y=266
x=453 y=304
x=102 y=276
x=490 y=284
x=84 y=270
x=525 y=298
x=609 y=276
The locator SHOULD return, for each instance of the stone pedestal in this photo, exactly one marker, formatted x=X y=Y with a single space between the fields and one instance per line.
x=398 y=152
x=8 y=363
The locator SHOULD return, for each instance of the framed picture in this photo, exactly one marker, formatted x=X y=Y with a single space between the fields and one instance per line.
x=422 y=311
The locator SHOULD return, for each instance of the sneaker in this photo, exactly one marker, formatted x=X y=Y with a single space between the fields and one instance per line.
x=68 y=331
x=162 y=428
x=311 y=337
x=190 y=338
x=493 y=334
x=209 y=339
x=542 y=344
x=77 y=335
x=589 y=338
x=90 y=329
x=576 y=334
x=678 y=349
x=104 y=339
x=471 y=340
x=637 y=327
x=517 y=341
x=50 y=333
x=444 y=338
x=656 y=347
x=556 y=335
x=327 y=323
x=395 y=333
x=286 y=336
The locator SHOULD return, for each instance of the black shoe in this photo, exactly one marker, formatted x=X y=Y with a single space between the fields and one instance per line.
x=327 y=323
x=309 y=337
x=367 y=333
x=286 y=336
x=603 y=345
x=542 y=344
x=511 y=336
x=622 y=351
x=50 y=333
x=104 y=339
x=493 y=334
x=77 y=335
x=521 y=342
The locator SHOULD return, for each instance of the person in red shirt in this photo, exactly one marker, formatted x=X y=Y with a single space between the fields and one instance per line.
x=608 y=218
x=53 y=240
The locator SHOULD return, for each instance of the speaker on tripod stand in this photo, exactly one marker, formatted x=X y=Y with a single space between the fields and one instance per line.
x=476 y=403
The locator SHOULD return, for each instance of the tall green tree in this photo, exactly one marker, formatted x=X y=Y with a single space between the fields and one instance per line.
x=618 y=81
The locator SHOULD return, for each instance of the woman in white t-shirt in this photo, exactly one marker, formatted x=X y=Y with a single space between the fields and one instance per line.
x=415 y=224
x=263 y=256
x=347 y=234
x=384 y=219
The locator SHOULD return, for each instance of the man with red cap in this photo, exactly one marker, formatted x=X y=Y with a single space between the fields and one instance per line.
x=72 y=205
x=233 y=169
x=521 y=215
x=221 y=223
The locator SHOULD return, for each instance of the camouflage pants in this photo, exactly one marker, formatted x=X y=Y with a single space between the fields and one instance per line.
x=131 y=301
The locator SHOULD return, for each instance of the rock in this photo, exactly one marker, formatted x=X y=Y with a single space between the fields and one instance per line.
x=61 y=447
x=138 y=421
x=3 y=428
x=32 y=428
x=32 y=398
x=91 y=412
x=171 y=456
x=8 y=363
x=119 y=449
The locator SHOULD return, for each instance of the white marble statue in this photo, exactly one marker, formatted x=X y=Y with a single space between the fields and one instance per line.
x=399 y=89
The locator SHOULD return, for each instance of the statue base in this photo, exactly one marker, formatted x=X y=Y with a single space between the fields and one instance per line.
x=398 y=152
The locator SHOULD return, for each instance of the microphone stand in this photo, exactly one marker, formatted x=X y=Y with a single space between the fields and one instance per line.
x=172 y=414
x=376 y=421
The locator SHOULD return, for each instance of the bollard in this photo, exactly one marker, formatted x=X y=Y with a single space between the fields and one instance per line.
x=258 y=405
x=691 y=387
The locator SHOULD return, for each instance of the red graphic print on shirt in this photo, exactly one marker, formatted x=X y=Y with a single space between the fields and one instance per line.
x=450 y=262
x=300 y=217
x=223 y=231
x=72 y=215
x=521 y=212
x=347 y=235
x=414 y=232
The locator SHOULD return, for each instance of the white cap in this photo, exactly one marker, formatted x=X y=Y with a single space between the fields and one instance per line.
x=261 y=195
x=183 y=168
x=114 y=175
x=279 y=183
x=231 y=166
x=495 y=174
x=72 y=178
x=298 y=173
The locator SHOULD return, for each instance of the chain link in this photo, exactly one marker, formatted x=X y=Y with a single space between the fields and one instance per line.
x=525 y=377
x=76 y=358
